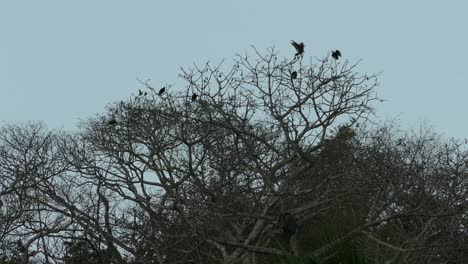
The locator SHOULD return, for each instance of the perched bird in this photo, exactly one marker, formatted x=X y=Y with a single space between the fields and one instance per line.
x=112 y=122
x=299 y=47
x=145 y=94
x=289 y=223
x=21 y=246
x=294 y=75
x=162 y=91
x=194 y=97
x=336 y=54
x=140 y=93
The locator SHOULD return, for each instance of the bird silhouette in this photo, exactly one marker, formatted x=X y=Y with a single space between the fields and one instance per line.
x=288 y=223
x=162 y=91
x=145 y=94
x=140 y=93
x=298 y=46
x=194 y=97
x=112 y=122
x=336 y=54
x=294 y=75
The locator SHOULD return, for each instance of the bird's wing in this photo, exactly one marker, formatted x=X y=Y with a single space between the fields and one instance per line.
x=296 y=46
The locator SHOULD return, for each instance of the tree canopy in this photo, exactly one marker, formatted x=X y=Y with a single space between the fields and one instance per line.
x=240 y=164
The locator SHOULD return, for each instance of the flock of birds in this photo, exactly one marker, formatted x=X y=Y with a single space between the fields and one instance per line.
x=287 y=220
x=336 y=54
x=299 y=52
x=142 y=93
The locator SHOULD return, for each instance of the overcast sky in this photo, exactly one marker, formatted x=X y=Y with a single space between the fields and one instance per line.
x=62 y=61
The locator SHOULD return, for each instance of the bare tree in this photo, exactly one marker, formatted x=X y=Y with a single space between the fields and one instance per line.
x=419 y=183
x=258 y=159
x=220 y=167
x=30 y=162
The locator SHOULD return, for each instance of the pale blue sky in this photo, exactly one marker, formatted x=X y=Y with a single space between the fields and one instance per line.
x=65 y=60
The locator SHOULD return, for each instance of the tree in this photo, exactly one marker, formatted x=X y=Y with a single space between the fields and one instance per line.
x=216 y=173
x=29 y=168
x=245 y=173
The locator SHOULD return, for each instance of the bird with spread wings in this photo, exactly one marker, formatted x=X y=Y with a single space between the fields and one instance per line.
x=298 y=46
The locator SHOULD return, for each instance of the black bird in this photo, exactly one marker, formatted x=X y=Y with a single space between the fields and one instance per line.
x=140 y=93
x=294 y=75
x=299 y=47
x=112 y=122
x=145 y=94
x=194 y=97
x=336 y=54
x=289 y=223
x=162 y=91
